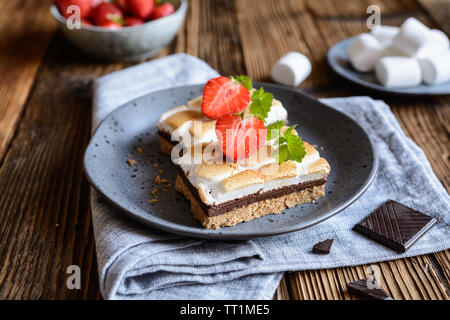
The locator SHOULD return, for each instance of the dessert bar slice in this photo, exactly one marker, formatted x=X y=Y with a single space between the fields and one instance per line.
x=226 y=190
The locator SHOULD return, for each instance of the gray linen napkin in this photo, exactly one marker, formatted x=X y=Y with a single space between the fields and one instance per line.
x=137 y=262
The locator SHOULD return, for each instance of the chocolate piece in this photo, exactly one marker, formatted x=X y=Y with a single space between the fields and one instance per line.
x=395 y=225
x=323 y=247
x=167 y=137
x=368 y=289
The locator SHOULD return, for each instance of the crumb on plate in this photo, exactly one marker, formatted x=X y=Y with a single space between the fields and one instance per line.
x=158 y=180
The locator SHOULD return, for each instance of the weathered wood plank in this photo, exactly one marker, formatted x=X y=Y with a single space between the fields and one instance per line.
x=335 y=10
x=45 y=221
x=25 y=38
x=218 y=41
x=443 y=259
x=282 y=292
x=439 y=10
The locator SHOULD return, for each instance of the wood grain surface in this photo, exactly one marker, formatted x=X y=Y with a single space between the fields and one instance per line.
x=45 y=90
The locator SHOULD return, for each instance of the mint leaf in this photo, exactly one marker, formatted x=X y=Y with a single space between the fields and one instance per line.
x=244 y=80
x=290 y=146
x=288 y=132
x=261 y=103
x=282 y=154
x=275 y=128
x=296 y=148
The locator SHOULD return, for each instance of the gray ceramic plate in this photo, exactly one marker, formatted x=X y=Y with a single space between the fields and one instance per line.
x=339 y=62
x=340 y=140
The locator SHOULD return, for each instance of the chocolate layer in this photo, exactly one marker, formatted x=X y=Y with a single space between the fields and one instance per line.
x=246 y=200
x=166 y=136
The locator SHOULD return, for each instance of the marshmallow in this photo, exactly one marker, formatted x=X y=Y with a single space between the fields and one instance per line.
x=398 y=72
x=412 y=36
x=291 y=69
x=385 y=34
x=436 y=68
x=439 y=38
x=437 y=41
x=393 y=51
x=364 y=51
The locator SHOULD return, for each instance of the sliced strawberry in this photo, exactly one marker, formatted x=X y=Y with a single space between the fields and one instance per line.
x=239 y=139
x=105 y=13
x=133 y=21
x=84 y=5
x=140 y=8
x=163 y=10
x=222 y=96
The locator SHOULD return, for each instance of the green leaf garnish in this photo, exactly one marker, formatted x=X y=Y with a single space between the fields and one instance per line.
x=241 y=114
x=282 y=154
x=261 y=104
x=290 y=146
x=274 y=128
x=244 y=80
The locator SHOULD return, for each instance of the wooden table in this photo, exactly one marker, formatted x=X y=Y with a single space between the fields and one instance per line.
x=45 y=106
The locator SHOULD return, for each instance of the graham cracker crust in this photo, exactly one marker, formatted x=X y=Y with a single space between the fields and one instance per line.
x=166 y=146
x=251 y=211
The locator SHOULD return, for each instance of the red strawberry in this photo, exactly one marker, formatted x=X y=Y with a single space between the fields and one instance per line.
x=140 y=8
x=222 y=95
x=84 y=5
x=86 y=22
x=133 y=21
x=110 y=25
x=95 y=3
x=239 y=139
x=163 y=10
x=121 y=3
x=105 y=13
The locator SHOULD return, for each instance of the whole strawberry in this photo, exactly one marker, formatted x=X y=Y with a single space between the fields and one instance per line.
x=163 y=10
x=140 y=8
x=111 y=25
x=106 y=13
x=121 y=3
x=95 y=3
x=133 y=21
x=86 y=22
x=84 y=5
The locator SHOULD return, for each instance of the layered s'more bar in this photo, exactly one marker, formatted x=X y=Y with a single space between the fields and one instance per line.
x=223 y=192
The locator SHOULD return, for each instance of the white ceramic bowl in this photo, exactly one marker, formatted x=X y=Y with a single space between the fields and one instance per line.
x=128 y=43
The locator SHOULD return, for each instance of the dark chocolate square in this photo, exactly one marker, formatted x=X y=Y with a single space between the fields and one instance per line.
x=395 y=225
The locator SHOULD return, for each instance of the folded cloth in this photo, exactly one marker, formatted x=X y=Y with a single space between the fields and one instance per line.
x=137 y=262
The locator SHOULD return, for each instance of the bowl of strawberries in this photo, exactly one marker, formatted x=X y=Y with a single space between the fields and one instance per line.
x=123 y=30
